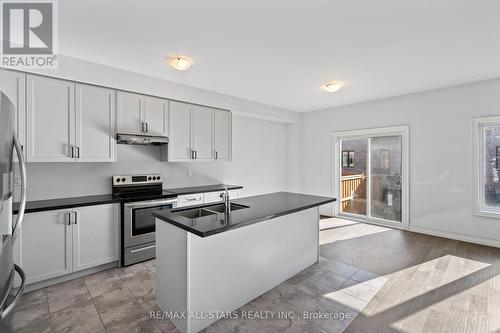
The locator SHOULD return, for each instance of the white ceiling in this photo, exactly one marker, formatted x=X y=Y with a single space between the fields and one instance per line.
x=279 y=52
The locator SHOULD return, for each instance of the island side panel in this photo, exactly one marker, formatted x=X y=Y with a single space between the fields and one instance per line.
x=171 y=271
x=227 y=270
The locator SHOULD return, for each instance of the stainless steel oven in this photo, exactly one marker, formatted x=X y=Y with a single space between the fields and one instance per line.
x=139 y=229
x=138 y=222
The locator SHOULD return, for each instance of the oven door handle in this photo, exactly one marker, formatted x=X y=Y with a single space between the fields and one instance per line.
x=152 y=203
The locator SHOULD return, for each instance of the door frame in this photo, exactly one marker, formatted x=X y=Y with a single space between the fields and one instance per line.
x=405 y=168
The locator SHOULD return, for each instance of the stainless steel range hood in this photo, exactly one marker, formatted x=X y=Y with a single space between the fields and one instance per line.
x=141 y=139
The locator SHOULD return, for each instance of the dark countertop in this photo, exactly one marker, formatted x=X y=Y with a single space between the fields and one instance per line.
x=101 y=199
x=260 y=208
x=200 y=189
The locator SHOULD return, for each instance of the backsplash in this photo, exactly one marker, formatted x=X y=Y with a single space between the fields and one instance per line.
x=56 y=180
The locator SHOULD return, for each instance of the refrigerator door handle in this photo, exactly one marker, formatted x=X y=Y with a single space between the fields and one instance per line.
x=9 y=307
x=22 y=204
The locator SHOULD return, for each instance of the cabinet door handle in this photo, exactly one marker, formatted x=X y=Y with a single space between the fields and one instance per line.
x=216 y=154
x=147 y=127
x=77 y=152
x=192 y=153
x=195 y=154
x=72 y=155
x=142 y=127
x=69 y=218
x=76 y=217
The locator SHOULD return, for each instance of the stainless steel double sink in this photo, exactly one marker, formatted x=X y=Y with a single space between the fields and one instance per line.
x=193 y=213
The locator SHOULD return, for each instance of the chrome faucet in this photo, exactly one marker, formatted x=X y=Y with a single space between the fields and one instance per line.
x=227 y=203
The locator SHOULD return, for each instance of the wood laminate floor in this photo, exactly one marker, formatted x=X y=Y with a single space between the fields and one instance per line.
x=369 y=279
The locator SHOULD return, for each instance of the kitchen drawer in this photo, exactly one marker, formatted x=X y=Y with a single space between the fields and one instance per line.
x=189 y=200
x=213 y=196
x=217 y=196
x=134 y=254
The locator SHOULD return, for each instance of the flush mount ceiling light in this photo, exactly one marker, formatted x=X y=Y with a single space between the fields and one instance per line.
x=180 y=63
x=332 y=86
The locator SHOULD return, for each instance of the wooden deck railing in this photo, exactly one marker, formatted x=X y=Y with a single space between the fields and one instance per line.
x=351 y=186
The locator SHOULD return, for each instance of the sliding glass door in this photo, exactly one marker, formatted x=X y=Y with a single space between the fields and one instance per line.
x=371 y=166
x=353 y=176
x=385 y=178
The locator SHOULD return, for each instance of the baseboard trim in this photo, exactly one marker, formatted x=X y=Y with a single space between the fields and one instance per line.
x=455 y=236
x=71 y=276
x=435 y=232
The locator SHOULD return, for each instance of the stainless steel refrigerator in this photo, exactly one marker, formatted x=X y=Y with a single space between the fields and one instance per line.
x=9 y=228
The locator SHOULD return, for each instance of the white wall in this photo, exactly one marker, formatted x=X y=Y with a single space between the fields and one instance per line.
x=440 y=153
x=259 y=143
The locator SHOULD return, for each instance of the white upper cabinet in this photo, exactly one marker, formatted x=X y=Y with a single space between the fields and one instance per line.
x=179 y=145
x=95 y=124
x=198 y=133
x=130 y=112
x=156 y=115
x=50 y=119
x=201 y=132
x=141 y=114
x=64 y=121
x=13 y=84
x=222 y=135
x=69 y=122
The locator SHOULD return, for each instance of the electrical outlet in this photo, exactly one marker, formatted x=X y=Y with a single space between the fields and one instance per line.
x=189 y=172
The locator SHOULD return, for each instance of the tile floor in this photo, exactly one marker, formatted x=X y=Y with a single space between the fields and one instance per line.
x=384 y=280
x=121 y=299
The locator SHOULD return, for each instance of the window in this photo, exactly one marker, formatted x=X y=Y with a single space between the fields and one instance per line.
x=487 y=166
x=348 y=159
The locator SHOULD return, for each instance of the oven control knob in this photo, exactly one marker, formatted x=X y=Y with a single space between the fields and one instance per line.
x=149 y=178
x=123 y=179
x=154 y=178
x=117 y=180
x=158 y=178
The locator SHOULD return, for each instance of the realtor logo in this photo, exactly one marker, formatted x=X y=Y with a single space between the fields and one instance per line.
x=29 y=38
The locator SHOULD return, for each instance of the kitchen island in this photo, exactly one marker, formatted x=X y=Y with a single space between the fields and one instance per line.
x=209 y=262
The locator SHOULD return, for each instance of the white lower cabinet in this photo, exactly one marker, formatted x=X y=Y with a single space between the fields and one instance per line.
x=44 y=245
x=58 y=242
x=95 y=236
